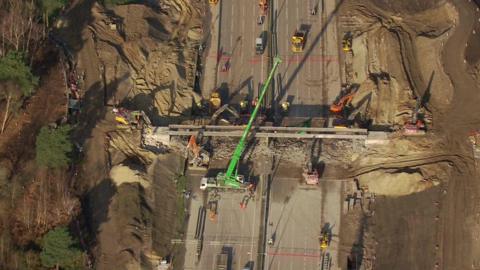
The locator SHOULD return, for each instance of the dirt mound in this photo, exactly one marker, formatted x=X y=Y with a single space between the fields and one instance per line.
x=149 y=61
x=123 y=174
x=407 y=6
x=126 y=144
x=391 y=44
x=395 y=184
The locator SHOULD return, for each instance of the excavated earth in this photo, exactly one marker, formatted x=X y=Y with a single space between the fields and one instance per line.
x=142 y=57
x=426 y=212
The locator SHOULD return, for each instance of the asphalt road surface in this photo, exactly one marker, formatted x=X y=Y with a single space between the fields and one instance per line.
x=238 y=31
x=234 y=229
x=296 y=217
x=309 y=80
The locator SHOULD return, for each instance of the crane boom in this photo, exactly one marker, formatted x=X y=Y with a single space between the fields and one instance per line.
x=230 y=177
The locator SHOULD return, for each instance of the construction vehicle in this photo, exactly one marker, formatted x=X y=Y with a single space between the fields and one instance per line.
x=215 y=100
x=231 y=178
x=212 y=208
x=213 y=2
x=339 y=106
x=347 y=42
x=260 y=43
x=127 y=117
x=310 y=174
x=298 y=39
x=346 y=95
x=197 y=156
x=260 y=19
x=416 y=126
x=270 y=241
x=263 y=6
x=324 y=241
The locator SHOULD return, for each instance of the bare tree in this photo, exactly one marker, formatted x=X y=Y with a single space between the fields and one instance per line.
x=19 y=25
x=11 y=92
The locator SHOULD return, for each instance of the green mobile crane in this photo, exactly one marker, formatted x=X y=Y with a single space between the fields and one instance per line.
x=231 y=178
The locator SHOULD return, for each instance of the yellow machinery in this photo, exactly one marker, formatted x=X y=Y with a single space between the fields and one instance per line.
x=215 y=100
x=213 y=2
x=285 y=106
x=324 y=241
x=347 y=42
x=298 y=40
x=127 y=117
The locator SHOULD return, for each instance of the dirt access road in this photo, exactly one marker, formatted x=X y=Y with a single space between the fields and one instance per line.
x=460 y=249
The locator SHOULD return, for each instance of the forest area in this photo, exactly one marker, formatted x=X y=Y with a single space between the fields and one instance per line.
x=40 y=203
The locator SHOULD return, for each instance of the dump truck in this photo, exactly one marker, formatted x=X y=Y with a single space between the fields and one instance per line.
x=298 y=39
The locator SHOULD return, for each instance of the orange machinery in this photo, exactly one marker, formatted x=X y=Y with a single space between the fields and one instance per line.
x=263 y=6
x=337 y=107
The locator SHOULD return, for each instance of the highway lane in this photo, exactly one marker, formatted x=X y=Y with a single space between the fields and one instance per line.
x=296 y=218
x=309 y=80
x=238 y=31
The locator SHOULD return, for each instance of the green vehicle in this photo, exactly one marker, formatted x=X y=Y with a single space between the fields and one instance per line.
x=231 y=178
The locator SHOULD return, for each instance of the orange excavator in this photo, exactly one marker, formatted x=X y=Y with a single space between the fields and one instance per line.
x=337 y=107
x=346 y=95
x=199 y=157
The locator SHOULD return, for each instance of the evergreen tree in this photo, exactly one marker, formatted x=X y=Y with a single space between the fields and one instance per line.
x=53 y=147
x=59 y=250
x=16 y=81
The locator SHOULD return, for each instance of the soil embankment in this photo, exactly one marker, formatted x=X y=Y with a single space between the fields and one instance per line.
x=141 y=57
x=442 y=188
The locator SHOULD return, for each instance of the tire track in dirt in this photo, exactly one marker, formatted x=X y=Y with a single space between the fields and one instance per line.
x=413 y=161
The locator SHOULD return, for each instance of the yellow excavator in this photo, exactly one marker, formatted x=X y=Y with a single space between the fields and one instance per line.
x=215 y=101
x=324 y=241
x=347 y=42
